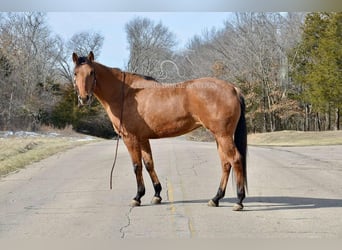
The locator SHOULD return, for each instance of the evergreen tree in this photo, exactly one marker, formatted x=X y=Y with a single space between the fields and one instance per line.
x=317 y=65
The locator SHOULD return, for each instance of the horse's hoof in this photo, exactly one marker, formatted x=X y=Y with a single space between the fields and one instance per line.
x=156 y=200
x=211 y=203
x=135 y=203
x=237 y=207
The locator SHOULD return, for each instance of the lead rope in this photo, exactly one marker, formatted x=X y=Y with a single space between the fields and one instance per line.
x=120 y=127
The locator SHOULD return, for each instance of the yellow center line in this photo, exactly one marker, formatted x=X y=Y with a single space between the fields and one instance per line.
x=173 y=208
x=170 y=196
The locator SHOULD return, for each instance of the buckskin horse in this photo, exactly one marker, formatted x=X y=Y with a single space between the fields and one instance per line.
x=141 y=109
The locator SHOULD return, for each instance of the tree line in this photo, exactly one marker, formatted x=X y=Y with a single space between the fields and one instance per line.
x=288 y=66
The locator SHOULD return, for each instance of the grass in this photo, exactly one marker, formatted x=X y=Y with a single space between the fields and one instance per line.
x=296 y=138
x=279 y=138
x=17 y=152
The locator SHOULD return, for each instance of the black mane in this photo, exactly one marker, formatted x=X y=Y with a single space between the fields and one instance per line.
x=148 y=78
x=83 y=60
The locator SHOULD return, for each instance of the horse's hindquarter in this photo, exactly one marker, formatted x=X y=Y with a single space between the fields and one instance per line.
x=214 y=103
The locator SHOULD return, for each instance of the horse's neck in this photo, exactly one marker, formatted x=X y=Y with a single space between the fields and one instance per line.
x=108 y=84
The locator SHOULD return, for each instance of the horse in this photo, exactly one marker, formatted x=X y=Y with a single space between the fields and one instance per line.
x=140 y=109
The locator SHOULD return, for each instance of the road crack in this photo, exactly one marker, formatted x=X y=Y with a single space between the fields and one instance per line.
x=123 y=228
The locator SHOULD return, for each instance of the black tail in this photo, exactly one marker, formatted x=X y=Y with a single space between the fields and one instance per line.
x=240 y=139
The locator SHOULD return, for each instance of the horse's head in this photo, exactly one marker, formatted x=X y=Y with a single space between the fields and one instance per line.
x=84 y=77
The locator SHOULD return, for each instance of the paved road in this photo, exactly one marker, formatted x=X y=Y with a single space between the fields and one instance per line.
x=293 y=192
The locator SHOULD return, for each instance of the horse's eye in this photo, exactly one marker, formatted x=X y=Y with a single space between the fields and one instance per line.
x=92 y=72
x=75 y=74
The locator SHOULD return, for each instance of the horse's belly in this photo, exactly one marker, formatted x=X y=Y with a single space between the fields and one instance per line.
x=173 y=127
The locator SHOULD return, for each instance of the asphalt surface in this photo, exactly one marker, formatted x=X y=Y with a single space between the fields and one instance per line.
x=294 y=192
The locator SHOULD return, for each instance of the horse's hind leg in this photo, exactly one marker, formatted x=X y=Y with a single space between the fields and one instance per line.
x=230 y=157
x=148 y=162
x=222 y=148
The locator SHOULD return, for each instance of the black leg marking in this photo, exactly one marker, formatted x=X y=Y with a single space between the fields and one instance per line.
x=140 y=193
x=156 y=198
x=241 y=195
x=140 y=184
x=220 y=194
x=157 y=190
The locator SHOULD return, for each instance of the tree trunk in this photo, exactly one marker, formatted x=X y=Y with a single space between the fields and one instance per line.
x=306 y=124
x=328 y=120
x=9 y=116
x=318 y=122
x=337 y=119
x=264 y=127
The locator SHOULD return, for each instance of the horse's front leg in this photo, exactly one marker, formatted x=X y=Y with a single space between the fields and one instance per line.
x=148 y=162
x=134 y=150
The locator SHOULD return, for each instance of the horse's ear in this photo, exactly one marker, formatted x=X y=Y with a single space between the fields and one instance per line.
x=91 y=56
x=74 y=58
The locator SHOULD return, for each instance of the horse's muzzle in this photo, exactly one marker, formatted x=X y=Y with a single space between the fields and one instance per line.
x=87 y=100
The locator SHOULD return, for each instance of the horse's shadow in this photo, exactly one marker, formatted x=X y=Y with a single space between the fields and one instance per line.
x=271 y=203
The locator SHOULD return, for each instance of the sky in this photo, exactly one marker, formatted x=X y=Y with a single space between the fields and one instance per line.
x=111 y=25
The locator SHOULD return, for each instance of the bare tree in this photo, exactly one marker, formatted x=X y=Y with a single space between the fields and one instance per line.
x=29 y=48
x=150 y=47
x=251 y=50
x=81 y=43
x=86 y=41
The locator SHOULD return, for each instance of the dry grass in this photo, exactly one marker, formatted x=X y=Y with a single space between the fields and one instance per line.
x=16 y=153
x=280 y=138
x=296 y=138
